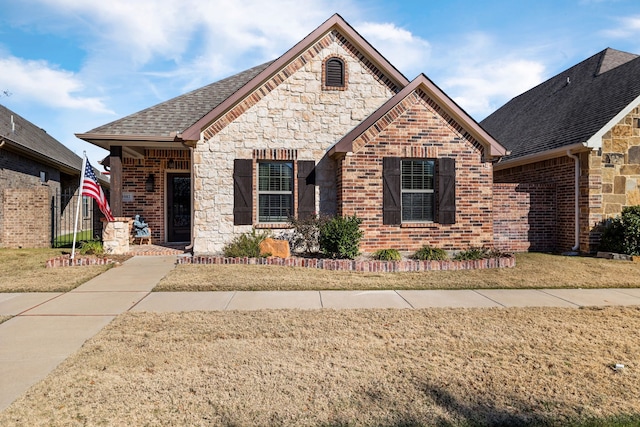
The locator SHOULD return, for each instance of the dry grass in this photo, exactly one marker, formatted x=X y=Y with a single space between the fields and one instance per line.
x=533 y=270
x=23 y=270
x=473 y=367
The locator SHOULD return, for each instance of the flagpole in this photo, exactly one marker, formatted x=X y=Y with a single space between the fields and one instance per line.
x=75 y=226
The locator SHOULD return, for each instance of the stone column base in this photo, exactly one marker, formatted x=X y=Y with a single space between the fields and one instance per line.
x=116 y=235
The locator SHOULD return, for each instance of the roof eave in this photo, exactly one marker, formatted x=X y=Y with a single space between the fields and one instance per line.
x=193 y=132
x=540 y=156
x=495 y=149
x=62 y=167
x=106 y=140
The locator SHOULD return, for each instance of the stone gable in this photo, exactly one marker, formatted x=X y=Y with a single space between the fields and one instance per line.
x=289 y=112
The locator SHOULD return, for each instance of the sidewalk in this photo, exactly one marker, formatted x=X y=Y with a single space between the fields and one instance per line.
x=49 y=327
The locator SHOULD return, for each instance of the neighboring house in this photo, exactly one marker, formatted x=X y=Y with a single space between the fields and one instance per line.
x=330 y=127
x=35 y=172
x=580 y=132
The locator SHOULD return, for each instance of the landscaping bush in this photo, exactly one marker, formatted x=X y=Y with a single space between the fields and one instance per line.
x=472 y=254
x=246 y=245
x=306 y=233
x=475 y=253
x=622 y=233
x=387 y=255
x=340 y=237
x=91 y=247
x=427 y=253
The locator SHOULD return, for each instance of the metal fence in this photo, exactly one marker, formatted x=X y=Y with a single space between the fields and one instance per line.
x=63 y=211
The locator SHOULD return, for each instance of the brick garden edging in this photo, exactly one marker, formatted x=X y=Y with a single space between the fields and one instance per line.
x=360 y=266
x=66 y=261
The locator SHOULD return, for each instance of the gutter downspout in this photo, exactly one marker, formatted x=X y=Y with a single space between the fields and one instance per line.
x=576 y=201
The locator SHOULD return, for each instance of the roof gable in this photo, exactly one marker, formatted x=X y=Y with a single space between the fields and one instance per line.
x=437 y=99
x=386 y=69
x=569 y=108
x=36 y=142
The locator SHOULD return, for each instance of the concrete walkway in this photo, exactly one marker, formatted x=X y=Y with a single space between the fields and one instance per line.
x=49 y=327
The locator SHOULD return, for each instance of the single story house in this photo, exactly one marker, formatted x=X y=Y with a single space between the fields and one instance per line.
x=329 y=127
x=36 y=171
x=579 y=131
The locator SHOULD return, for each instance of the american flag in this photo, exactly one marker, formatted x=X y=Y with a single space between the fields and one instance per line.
x=91 y=188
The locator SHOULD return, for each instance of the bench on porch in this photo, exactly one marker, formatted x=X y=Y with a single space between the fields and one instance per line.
x=140 y=239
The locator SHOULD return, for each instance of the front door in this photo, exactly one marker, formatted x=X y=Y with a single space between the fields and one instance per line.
x=178 y=207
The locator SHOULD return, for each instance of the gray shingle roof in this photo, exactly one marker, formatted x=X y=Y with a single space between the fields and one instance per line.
x=177 y=114
x=32 y=139
x=568 y=108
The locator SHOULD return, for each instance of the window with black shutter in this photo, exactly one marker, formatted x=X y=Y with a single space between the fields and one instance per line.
x=306 y=188
x=275 y=191
x=243 y=192
x=418 y=191
x=334 y=73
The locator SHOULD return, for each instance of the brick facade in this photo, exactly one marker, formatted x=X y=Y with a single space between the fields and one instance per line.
x=413 y=129
x=559 y=172
x=20 y=172
x=151 y=205
x=524 y=217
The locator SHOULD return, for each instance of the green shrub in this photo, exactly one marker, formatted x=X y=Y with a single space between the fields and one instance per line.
x=91 y=247
x=622 y=234
x=340 y=237
x=427 y=253
x=306 y=233
x=246 y=245
x=472 y=254
x=387 y=255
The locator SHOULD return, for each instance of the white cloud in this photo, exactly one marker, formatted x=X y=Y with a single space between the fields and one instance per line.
x=37 y=81
x=629 y=26
x=403 y=49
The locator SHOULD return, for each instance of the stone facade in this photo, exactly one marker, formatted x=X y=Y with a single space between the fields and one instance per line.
x=116 y=236
x=413 y=129
x=289 y=116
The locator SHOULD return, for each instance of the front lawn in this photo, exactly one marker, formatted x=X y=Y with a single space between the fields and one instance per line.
x=23 y=270
x=435 y=367
x=533 y=270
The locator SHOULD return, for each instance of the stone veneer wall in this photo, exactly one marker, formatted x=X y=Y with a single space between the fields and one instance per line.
x=413 y=129
x=290 y=112
x=614 y=175
x=116 y=235
x=151 y=205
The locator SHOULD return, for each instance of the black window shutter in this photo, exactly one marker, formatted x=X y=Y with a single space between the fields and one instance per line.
x=242 y=192
x=306 y=188
x=391 y=197
x=334 y=73
x=446 y=191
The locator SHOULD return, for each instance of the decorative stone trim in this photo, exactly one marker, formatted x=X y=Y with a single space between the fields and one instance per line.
x=275 y=154
x=66 y=261
x=359 y=266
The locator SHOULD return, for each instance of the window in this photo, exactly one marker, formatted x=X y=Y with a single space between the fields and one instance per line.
x=275 y=191
x=86 y=207
x=415 y=191
x=334 y=73
x=417 y=177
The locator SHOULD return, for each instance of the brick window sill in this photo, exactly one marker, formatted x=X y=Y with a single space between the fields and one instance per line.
x=273 y=225
x=417 y=224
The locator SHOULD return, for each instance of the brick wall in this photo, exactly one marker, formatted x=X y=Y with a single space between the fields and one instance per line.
x=416 y=130
x=151 y=205
x=19 y=172
x=27 y=217
x=559 y=172
x=524 y=217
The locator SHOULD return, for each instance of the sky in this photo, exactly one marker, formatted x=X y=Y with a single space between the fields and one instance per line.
x=70 y=66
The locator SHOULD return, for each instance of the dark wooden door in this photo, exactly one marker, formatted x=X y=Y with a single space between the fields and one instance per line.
x=178 y=207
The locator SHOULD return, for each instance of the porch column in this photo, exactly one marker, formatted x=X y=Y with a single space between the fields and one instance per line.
x=115 y=167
